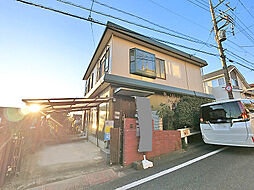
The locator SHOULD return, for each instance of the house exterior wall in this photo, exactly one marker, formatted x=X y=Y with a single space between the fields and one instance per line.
x=179 y=74
x=208 y=82
x=219 y=92
x=96 y=80
x=157 y=99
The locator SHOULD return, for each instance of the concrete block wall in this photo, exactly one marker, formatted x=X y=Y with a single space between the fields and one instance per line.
x=163 y=142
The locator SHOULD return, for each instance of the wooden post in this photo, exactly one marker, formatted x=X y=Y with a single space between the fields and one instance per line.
x=221 y=51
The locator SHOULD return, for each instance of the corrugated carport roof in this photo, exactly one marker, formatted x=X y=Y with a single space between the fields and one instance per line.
x=66 y=104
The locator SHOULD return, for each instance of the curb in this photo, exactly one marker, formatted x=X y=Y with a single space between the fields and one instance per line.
x=170 y=156
x=84 y=181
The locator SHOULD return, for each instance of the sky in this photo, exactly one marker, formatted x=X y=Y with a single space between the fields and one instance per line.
x=44 y=54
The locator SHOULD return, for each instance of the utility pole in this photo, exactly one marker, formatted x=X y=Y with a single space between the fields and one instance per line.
x=222 y=17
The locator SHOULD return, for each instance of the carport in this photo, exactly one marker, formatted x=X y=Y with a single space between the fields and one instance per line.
x=66 y=104
x=50 y=105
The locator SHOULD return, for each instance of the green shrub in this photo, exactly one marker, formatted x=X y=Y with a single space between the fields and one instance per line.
x=187 y=112
x=167 y=116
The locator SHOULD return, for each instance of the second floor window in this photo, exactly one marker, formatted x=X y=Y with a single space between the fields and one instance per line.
x=221 y=82
x=160 y=68
x=92 y=78
x=103 y=65
x=218 y=82
x=142 y=63
x=234 y=80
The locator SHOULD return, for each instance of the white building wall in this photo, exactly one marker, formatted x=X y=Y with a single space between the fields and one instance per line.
x=221 y=94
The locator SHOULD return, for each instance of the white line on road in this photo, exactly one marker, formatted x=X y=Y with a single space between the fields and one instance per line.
x=149 y=178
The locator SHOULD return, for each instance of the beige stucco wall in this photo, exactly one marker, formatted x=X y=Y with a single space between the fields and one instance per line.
x=156 y=100
x=178 y=73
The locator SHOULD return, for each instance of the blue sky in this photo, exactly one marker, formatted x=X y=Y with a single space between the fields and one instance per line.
x=45 y=54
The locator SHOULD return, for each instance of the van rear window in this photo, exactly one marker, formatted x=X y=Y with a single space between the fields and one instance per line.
x=221 y=113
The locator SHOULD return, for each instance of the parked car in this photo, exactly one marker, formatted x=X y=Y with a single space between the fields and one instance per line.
x=229 y=122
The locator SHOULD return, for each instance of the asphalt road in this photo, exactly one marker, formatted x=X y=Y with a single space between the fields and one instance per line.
x=232 y=168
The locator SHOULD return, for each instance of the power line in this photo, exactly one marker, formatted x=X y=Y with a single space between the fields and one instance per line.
x=247 y=46
x=204 y=3
x=136 y=24
x=246 y=28
x=209 y=36
x=243 y=31
x=240 y=57
x=242 y=47
x=167 y=42
x=246 y=9
x=91 y=9
x=62 y=12
x=177 y=14
x=232 y=61
x=103 y=24
x=92 y=34
x=199 y=5
x=100 y=23
x=90 y=17
x=146 y=20
x=246 y=34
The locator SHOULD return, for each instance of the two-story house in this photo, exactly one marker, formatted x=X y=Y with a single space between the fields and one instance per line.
x=127 y=64
x=215 y=84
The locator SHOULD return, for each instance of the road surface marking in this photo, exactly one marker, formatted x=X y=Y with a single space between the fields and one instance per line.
x=154 y=176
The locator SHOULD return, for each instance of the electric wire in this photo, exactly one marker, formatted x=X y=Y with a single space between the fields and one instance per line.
x=102 y=24
x=246 y=8
x=199 y=5
x=141 y=18
x=136 y=24
x=90 y=17
x=177 y=14
x=246 y=34
x=178 y=45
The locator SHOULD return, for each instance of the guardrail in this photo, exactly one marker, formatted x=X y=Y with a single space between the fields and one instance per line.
x=185 y=133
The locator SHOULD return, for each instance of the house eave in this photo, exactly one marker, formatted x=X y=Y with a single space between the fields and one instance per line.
x=144 y=85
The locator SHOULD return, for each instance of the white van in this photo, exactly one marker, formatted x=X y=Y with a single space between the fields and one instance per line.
x=229 y=122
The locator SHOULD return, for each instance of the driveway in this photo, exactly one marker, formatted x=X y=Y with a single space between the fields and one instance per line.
x=58 y=162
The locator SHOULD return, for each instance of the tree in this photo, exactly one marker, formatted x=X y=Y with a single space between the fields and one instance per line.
x=167 y=116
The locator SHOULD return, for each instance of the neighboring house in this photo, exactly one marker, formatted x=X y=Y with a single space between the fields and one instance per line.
x=251 y=89
x=127 y=64
x=215 y=84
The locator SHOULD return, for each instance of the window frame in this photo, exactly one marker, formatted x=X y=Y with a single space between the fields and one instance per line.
x=159 y=62
x=137 y=62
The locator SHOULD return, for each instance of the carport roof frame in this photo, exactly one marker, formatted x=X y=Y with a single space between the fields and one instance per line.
x=66 y=104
